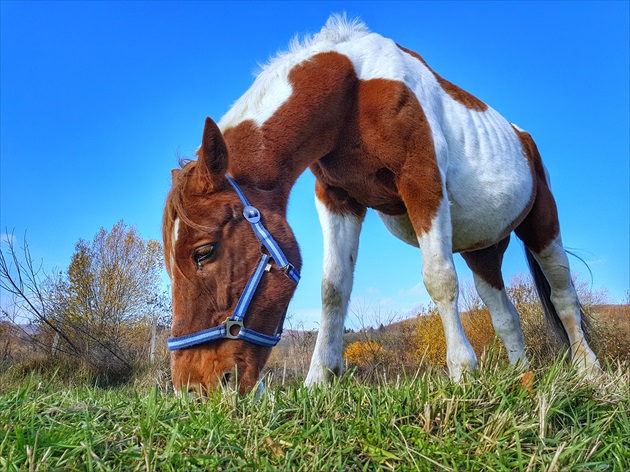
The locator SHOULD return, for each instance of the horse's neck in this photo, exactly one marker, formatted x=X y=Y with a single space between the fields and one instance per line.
x=304 y=128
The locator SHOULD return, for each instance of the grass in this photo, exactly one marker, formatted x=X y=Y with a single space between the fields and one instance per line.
x=489 y=421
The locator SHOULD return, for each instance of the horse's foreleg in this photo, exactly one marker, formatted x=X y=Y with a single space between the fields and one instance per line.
x=341 y=225
x=440 y=279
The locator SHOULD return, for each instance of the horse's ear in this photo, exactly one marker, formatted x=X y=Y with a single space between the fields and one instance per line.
x=174 y=173
x=213 y=155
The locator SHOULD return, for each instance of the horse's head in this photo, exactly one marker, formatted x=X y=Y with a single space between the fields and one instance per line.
x=212 y=251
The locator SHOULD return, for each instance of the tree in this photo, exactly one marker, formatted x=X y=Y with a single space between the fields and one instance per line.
x=100 y=309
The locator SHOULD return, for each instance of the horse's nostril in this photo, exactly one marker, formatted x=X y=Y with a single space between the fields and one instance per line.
x=226 y=378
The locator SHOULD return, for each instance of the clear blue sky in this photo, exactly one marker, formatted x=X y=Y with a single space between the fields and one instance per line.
x=99 y=98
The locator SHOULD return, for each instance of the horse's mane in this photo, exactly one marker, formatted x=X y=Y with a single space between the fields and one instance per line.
x=338 y=29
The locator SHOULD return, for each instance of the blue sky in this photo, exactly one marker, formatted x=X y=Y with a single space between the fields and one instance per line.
x=99 y=98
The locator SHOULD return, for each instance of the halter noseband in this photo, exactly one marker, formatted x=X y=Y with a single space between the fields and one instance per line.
x=224 y=330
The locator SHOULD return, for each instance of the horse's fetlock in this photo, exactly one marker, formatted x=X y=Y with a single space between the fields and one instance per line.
x=461 y=359
x=319 y=374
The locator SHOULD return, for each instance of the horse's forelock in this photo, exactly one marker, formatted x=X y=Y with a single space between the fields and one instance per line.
x=174 y=209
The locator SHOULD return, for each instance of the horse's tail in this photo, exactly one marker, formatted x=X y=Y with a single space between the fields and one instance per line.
x=543 y=289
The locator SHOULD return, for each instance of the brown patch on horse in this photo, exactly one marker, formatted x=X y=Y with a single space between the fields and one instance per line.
x=486 y=263
x=456 y=93
x=386 y=157
x=338 y=201
x=362 y=139
x=541 y=226
x=304 y=128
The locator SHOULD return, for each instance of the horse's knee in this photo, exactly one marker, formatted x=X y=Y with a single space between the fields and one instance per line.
x=333 y=296
x=440 y=279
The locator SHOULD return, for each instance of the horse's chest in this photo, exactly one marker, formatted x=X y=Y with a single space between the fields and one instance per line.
x=367 y=182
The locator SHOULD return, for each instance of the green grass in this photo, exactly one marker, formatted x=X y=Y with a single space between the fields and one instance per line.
x=486 y=422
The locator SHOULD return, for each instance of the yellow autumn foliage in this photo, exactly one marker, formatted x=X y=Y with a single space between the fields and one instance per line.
x=430 y=343
x=367 y=353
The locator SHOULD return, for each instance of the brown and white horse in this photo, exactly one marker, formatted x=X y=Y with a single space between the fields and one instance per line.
x=379 y=129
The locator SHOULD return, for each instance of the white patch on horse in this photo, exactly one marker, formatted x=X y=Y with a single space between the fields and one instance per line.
x=400 y=226
x=488 y=177
x=341 y=245
x=272 y=88
x=555 y=265
x=262 y=100
x=174 y=240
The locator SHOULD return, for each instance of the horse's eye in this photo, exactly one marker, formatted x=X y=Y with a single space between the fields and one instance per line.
x=203 y=253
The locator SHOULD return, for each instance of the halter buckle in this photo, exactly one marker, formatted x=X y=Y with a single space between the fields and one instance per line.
x=251 y=214
x=228 y=323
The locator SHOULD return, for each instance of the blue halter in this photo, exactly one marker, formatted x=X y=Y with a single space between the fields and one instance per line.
x=235 y=322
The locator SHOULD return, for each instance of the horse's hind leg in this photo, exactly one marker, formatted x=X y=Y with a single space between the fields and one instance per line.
x=559 y=290
x=486 y=267
x=540 y=231
x=341 y=219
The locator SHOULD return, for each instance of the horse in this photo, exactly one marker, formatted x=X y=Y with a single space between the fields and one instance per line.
x=380 y=130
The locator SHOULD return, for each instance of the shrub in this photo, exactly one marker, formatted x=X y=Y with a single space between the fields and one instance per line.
x=430 y=343
x=367 y=354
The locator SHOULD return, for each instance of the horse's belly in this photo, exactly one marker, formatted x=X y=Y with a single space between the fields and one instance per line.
x=489 y=179
x=488 y=203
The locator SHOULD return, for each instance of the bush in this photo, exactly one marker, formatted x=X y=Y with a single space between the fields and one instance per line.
x=430 y=343
x=367 y=353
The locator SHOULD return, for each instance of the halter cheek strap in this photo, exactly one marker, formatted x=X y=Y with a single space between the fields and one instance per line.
x=232 y=327
x=252 y=215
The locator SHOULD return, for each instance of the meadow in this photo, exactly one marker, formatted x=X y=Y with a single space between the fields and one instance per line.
x=497 y=419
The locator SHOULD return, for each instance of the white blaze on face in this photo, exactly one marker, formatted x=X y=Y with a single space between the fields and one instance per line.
x=174 y=240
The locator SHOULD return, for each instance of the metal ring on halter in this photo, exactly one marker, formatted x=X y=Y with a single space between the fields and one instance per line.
x=229 y=323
